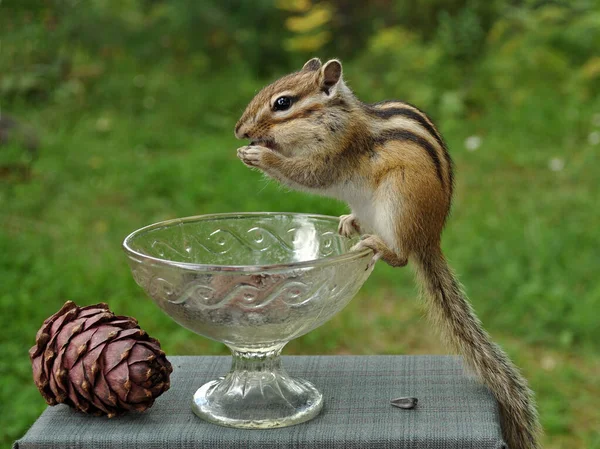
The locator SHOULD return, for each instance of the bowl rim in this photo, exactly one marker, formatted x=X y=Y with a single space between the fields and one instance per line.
x=324 y=261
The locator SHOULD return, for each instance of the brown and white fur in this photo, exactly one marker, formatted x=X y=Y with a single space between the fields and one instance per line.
x=389 y=163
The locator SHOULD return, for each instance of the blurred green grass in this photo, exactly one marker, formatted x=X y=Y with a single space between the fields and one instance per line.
x=135 y=102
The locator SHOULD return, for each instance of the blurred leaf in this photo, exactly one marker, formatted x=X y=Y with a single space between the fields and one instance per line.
x=294 y=5
x=308 y=43
x=389 y=39
x=551 y=14
x=591 y=69
x=316 y=17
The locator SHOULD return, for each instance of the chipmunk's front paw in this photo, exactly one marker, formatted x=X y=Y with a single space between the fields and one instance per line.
x=253 y=155
x=348 y=225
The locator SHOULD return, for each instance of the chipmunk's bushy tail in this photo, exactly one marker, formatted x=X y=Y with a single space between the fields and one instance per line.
x=450 y=310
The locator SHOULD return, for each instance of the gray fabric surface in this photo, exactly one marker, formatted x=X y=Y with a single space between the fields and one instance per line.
x=453 y=412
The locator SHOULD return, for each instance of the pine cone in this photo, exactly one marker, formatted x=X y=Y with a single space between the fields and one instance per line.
x=97 y=362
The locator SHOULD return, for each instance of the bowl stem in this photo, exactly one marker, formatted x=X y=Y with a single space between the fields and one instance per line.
x=257 y=393
x=255 y=361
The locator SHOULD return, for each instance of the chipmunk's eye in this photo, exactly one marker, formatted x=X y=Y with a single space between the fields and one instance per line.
x=282 y=103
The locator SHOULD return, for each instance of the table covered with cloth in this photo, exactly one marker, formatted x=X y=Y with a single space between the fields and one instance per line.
x=453 y=410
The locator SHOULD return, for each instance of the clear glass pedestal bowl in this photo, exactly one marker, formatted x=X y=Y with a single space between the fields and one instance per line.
x=253 y=281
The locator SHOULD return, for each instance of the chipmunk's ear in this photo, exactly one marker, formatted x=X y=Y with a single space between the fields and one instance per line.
x=312 y=65
x=331 y=73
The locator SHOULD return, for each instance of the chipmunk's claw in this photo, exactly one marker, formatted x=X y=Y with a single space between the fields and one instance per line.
x=381 y=251
x=368 y=241
x=348 y=225
x=371 y=242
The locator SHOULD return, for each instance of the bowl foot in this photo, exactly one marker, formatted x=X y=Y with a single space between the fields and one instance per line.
x=257 y=394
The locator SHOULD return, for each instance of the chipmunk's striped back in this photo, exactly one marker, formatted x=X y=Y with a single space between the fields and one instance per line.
x=407 y=122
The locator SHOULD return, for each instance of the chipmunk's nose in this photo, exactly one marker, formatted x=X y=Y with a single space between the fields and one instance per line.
x=240 y=131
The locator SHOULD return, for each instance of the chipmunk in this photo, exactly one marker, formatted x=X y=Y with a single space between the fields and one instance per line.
x=389 y=162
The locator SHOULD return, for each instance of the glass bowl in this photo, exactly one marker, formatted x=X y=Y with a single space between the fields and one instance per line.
x=253 y=281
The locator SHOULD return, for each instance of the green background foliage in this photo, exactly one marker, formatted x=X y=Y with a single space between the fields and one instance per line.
x=134 y=102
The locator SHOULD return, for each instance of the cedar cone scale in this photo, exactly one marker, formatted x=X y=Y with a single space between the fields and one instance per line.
x=97 y=362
